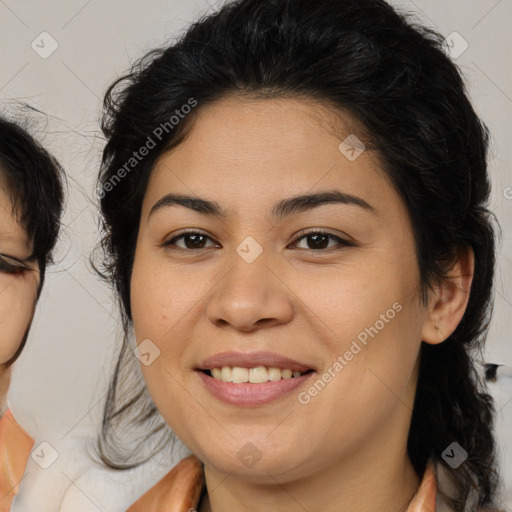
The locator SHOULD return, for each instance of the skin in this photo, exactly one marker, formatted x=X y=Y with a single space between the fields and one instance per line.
x=17 y=292
x=346 y=449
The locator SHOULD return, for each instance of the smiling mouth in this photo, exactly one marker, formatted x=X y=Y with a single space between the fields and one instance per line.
x=256 y=375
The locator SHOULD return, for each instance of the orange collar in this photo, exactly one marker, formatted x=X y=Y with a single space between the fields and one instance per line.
x=182 y=487
x=15 y=447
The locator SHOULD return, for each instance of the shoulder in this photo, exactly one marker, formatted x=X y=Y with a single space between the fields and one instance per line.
x=180 y=489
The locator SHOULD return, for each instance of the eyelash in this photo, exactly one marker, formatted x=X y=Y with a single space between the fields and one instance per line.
x=18 y=268
x=341 y=241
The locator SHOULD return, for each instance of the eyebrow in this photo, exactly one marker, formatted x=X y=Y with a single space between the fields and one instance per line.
x=296 y=204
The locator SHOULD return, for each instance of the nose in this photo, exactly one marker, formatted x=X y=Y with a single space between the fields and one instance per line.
x=250 y=296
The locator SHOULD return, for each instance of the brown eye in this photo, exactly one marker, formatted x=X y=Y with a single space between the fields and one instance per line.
x=191 y=239
x=319 y=240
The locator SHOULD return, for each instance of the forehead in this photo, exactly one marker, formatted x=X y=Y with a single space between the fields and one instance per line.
x=251 y=151
x=237 y=123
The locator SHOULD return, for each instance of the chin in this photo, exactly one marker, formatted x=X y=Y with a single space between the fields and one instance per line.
x=247 y=461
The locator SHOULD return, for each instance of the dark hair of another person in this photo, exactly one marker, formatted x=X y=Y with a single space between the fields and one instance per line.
x=33 y=181
x=412 y=109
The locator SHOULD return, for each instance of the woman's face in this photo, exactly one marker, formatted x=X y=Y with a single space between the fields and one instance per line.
x=252 y=290
x=18 y=286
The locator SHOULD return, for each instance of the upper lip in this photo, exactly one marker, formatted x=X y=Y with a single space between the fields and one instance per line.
x=251 y=360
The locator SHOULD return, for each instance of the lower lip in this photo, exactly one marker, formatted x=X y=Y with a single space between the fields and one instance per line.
x=250 y=395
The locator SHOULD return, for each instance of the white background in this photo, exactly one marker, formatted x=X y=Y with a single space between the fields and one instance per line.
x=59 y=382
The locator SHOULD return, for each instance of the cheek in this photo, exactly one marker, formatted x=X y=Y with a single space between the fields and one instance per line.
x=373 y=367
x=158 y=299
x=369 y=319
x=157 y=305
x=371 y=378
x=17 y=303
x=162 y=302
x=362 y=299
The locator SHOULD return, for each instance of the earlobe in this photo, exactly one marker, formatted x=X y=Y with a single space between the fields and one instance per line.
x=449 y=300
x=432 y=332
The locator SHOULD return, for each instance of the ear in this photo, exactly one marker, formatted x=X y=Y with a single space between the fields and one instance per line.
x=449 y=299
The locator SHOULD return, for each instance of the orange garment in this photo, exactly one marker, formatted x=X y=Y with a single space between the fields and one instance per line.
x=15 y=447
x=180 y=490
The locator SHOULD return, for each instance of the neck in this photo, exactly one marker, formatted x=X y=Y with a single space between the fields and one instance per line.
x=374 y=478
x=5 y=379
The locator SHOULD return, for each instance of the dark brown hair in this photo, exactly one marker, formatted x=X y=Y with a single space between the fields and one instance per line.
x=33 y=180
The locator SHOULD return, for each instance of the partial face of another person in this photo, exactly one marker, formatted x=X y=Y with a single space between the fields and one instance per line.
x=19 y=281
x=329 y=289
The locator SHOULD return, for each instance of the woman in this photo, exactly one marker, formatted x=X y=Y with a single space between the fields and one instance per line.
x=293 y=198
x=31 y=198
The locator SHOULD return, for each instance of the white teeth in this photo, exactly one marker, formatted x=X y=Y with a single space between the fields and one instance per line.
x=226 y=374
x=258 y=375
x=255 y=375
x=274 y=374
x=286 y=374
x=239 y=375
